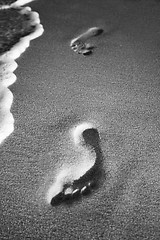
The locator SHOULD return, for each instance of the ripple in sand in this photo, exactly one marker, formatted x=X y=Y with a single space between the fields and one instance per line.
x=8 y=66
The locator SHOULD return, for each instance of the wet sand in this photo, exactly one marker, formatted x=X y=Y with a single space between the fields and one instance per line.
x=117 y=87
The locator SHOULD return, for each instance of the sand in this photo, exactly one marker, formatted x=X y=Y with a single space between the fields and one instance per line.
x=118 y=88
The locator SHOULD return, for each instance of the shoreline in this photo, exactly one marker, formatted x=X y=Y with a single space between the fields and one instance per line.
x=8 y=66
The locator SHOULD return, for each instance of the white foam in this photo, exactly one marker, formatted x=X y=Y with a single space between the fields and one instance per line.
x=34 y=16
x=24 y=42
x=7 y=67
x=38 y=32
x=9 y=80
x=6 y=118
x=7 y=77
x=6 y=98
x=6 y=126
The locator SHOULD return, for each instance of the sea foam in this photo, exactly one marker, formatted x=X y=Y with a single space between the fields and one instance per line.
x=8 y=66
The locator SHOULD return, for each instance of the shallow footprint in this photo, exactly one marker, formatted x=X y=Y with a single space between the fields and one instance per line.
x=85 y=136
x=79 y=44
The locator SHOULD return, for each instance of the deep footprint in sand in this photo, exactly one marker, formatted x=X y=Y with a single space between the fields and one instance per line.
x=79 y=44
x=81 y=180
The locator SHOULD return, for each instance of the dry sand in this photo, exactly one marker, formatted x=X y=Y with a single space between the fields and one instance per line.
x=117 y=87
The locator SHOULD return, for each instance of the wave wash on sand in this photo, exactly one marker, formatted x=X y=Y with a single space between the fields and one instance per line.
x=8 y=66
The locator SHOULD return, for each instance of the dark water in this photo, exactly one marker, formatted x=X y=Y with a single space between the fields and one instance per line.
x=117 y=87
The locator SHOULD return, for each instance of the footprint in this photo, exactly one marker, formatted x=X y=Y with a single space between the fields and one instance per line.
x=79 y=44
x=75 y=182
x=82 y=48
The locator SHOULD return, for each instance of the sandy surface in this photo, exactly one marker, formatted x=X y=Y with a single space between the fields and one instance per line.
x=118 y=87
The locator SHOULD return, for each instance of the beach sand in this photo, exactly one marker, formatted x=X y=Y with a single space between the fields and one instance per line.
x=117 y=87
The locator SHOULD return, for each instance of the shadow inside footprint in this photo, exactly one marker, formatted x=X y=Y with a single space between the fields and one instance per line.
x=93 y=176
x=87 y=53
x=99 y=31
x=91 y=180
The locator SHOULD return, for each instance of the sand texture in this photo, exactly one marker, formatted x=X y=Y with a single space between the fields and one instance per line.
x=116 y=88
